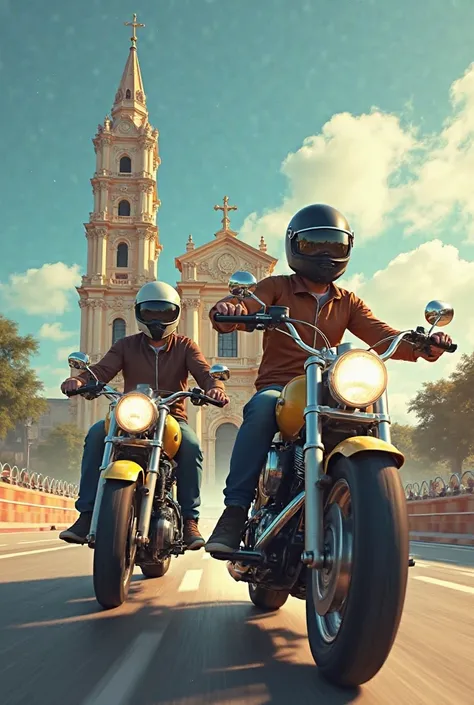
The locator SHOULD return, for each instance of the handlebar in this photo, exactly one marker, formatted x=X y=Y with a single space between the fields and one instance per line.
x=196 y=395
x=277 y=315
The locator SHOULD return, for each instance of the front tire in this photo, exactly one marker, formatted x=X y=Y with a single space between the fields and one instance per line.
x=156 y=570
x=364 y=599
x=115 y=547
x=267 y=600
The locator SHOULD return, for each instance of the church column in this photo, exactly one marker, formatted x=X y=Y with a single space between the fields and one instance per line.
x=101 y=252
x=191 y=307
x=142 y=260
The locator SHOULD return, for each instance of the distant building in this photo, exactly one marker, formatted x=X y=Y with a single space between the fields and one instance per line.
x=14 y=447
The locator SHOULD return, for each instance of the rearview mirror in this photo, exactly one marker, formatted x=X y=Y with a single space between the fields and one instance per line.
x=220 y=372
x=242 y=284
x=78 y=361
x=438 y=313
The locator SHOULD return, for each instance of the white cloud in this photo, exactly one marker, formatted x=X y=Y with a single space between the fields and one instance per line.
x=349 y=164
x=43 y=291
x=398 y=295
x=52 y=377
x=54 y=331
x=442 y=179
x=63 y=353
x=356 y=163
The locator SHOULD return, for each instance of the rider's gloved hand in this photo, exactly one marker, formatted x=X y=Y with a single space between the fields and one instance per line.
x=228 y=309
x=218 y=395
x=71 y=384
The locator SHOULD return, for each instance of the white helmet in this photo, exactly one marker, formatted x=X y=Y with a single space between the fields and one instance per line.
x=157 y=310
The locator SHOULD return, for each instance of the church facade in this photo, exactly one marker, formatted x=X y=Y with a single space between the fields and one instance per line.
x=123 y=247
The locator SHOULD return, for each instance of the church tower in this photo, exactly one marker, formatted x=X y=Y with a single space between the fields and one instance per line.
x=122 y=237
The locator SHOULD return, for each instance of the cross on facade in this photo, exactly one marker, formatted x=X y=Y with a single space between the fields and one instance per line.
x=135 y=25
x=225 y=209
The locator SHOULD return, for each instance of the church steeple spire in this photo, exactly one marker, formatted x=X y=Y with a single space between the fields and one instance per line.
x=130 y=94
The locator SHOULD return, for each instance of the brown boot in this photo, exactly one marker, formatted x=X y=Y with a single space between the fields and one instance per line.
x=192 y=536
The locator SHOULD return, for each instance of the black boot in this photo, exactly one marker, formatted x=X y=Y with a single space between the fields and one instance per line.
x=226 y=536
x=77 y=533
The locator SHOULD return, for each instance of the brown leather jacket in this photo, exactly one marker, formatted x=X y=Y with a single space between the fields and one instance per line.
x=282 y=358
x=166 y=370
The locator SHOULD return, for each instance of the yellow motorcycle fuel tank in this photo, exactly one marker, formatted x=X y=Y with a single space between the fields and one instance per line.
x=290 y=408
x=172 y=437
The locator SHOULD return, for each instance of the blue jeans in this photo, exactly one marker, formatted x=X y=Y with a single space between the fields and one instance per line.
x=189 y=471
x=251 y=447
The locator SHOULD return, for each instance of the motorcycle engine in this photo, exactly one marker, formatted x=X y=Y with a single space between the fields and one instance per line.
x=163 y=530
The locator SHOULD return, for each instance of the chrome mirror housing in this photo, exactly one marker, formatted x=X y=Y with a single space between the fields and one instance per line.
x=220 y=372
x=439 y=313
x=78 y=361
x=242 y=284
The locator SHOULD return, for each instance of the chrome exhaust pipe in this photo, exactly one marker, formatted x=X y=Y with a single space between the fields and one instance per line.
x=279 y=522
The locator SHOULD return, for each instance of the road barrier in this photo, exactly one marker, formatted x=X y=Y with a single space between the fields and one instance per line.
x=442 y=512
x=32 y=502
x=438 y=511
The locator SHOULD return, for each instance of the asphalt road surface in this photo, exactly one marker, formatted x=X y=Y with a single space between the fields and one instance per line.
x=193 y=637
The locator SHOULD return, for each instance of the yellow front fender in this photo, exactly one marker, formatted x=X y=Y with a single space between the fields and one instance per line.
x=359 y=444
x=123 y=470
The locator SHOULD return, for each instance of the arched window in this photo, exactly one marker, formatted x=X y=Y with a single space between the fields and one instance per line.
x=125 y=165
x=124 y=208
x=122 y=255
x=227 y=344
x=128 y=94
x=119 y=330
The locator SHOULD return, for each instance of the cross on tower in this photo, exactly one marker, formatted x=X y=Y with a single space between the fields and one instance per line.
x=135 y=25
x=225 y=209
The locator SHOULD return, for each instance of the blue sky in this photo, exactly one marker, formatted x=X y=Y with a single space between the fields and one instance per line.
x=233 y=86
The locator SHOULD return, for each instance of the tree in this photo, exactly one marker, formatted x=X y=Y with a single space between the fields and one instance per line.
x=60 y=454
x=445 y=421
x=20 y=388
x=416 y=466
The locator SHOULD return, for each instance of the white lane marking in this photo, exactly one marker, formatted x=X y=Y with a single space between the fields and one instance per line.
x=39 y=541
x=118 y=684
x=3 y=544
x=445 y=583
x=38 y=550
x=190 y=581
x=462 y=570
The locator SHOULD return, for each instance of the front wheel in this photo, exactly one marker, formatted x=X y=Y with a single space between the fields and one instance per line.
x=115 y=547
x=354 y=605
x=265 y=599
x=156 y=570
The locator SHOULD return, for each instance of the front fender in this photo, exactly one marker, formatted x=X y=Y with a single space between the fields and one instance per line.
x=360 y=444
x=126 y=470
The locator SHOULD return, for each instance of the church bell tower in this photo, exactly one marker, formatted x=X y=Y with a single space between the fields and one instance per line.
x=122 y=237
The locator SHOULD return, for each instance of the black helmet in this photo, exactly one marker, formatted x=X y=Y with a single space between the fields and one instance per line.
x=318 y=243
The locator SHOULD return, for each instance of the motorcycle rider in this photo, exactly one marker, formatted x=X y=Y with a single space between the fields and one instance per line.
x=318 y=245
x=161 y=358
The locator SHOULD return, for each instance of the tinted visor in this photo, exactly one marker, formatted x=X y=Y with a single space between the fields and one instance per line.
x=335 y=244
x=162 y=311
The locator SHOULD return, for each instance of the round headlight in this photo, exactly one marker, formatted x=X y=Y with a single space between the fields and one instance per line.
x=135 y=412
x=358 y=378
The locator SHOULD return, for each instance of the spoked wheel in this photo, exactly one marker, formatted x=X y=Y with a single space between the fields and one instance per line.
x=354 y=605
x=265 y=599
x=115 y=544
x=156 y=570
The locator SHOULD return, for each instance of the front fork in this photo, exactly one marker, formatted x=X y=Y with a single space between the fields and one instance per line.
x=150 y=480
x=315 y=479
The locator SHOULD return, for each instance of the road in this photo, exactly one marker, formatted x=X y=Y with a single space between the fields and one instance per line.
x=193 y=637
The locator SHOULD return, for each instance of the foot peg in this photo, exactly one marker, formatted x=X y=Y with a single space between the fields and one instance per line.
x=249 y=557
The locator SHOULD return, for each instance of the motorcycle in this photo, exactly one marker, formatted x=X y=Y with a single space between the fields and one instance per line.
x=329 y=523
x=137 y=519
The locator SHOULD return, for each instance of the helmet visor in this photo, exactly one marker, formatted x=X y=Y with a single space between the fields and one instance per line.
x=319 y=242
x=162 y=311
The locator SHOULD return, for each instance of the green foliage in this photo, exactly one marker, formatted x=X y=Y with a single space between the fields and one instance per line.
x=60 y=454
x=20 y=388
x=445 y=412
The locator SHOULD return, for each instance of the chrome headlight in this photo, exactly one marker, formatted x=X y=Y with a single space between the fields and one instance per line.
x=135 y=412
x=358 y=378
